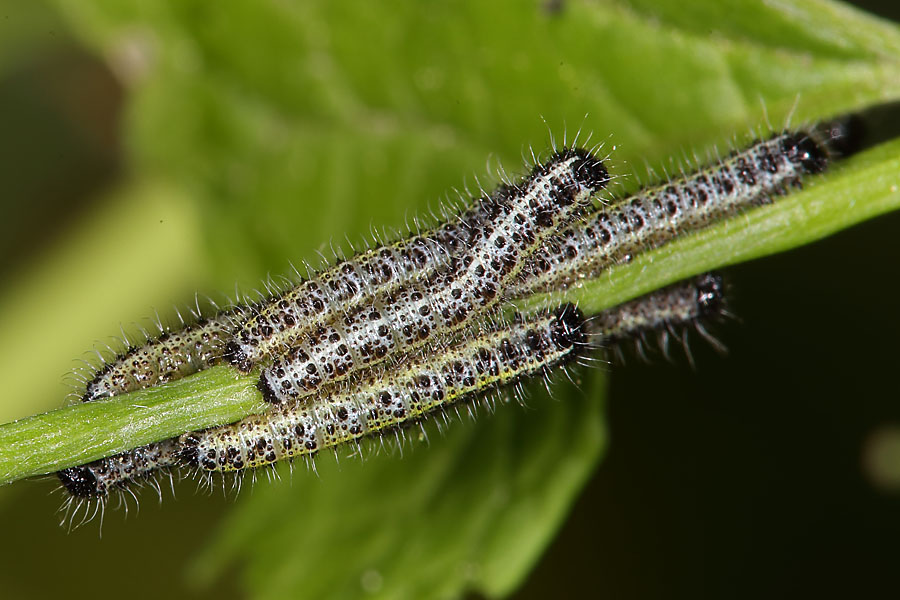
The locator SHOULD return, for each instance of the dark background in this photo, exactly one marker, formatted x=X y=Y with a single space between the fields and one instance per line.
x=752 y=474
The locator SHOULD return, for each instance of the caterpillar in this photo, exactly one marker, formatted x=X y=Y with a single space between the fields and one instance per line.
x=99 y=478
x=652 y=217
x=393 y=398
x=400 y=397
x=520 y=219
x=669 y=312
x=684 y=303
x=383 y=401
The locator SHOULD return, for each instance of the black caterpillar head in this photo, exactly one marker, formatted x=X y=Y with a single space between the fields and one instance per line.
x=81 y=482
x=589 y=170
x=265 y=388
x=802 y=150
x=710 y=294
x=568 y=329
x=234 y=354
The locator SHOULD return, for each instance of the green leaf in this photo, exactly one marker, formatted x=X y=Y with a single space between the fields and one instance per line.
x=292 y=124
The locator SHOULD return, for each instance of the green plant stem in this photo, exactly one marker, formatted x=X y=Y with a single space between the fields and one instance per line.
x=87 y=431
x=868 y=186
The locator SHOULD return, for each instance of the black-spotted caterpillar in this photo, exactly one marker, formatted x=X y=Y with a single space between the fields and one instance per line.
x=280 y=322
x=655 y=216
x=390 y=398
x=644 y=220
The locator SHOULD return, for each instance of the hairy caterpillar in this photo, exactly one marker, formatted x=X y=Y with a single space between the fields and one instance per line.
x=399 y=397
x=652 y=217
x=680 y=304
x=495 y=235
x=519 y=219
x=383 y=401
x=100 y=477
x=393 y=398
x=669 y=312
x=697 y=298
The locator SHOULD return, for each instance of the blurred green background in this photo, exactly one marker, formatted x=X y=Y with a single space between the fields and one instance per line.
x=151 y=153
